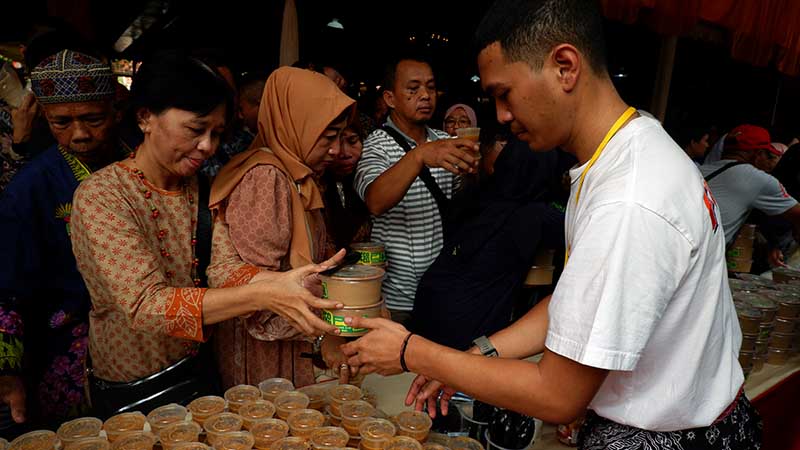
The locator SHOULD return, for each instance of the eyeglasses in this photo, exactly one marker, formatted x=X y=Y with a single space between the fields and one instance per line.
x=460 y=122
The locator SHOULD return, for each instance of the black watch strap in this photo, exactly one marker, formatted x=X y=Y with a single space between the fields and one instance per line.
x=485 y=346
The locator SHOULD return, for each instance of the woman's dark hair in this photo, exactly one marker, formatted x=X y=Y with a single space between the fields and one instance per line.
x=173 y=79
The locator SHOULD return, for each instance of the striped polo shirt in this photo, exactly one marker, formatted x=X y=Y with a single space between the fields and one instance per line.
x=412 y=230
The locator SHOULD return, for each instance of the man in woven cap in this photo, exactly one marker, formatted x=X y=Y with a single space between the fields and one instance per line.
x=44 y=303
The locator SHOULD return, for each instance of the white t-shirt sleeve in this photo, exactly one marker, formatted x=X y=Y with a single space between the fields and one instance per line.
x=625 y=264
x=772 y=199
x=374 y=161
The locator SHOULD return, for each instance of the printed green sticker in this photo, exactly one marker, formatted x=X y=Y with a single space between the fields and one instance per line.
x=324 y=290
x=368 y=257
x=338 y=321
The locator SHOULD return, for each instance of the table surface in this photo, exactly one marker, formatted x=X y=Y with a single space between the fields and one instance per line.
x=391 y=392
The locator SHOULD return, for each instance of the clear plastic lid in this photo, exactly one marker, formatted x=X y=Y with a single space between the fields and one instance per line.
x=291 y=400
x=377 y=429
x=464 y=443
x=167 y=414
x=329 y=437
x=35 y=440
x=402 y=443
x=80 y=428
x=132 y=421
x=414 y=421
x=180 y=432
x=357 y=272
x=259 y=409
x=206 y=406
x=356 y=409
x=270 y=429
x=275 y=386
x=305 y=419
x=223 y=423
x=91 y=443
x=344 y=392
x=235 y=440
x=191 y=446
x=315 y=392
x=290 y=443
x=135 y=440
x=241 y=394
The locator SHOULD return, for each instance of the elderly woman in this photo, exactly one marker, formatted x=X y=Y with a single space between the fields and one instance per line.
x=459 y=116
x=269 y=214
x=136 y=242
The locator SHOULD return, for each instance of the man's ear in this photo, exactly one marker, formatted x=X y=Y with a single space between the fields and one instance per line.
x=568 y=63
x=388 y=97
x=144 y=117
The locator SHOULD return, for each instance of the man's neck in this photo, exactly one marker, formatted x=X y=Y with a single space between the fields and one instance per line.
x=414 y=130
x=735 y=156
x=97 y=159
x=595 y=116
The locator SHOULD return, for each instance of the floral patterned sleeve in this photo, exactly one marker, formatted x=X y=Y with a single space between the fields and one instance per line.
x=11 y=348
x=121 y=264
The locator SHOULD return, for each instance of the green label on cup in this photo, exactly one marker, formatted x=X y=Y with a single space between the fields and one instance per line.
x=324 y=290
x=734 y=252
x=338 y=322
x=369 y=258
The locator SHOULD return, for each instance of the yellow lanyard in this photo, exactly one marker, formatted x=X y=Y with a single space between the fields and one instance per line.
x=614 y=129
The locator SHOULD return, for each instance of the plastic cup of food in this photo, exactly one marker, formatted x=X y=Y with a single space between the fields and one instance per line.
x=270 y=388
x=241 y=394
x=414 y=424
x=333 y=419
x=256 y=411
x=328 y=438
x=218 y=424
x=165 y=415
x=303 y=422
x=288 y=402
x=135 y=440
x=267 y=431
x=540 y=276
x=337 y=317
x=354 y=285
x=471 y=133
x=749 y=319
x=746 y=358
x=781 y=340
x=290 y=443
x=192 y=446
x=317 y=396
x=235 y=440
x=465 y=443
x=90 y=443
x=403 y=443
x=785 y=325
x=35 y=440
x=353 y=413
x=375 y=433
x=340 y=394
x=85 y=427
x=204 y=407
x=778 y=356
x=122 y=423
x=179 y=433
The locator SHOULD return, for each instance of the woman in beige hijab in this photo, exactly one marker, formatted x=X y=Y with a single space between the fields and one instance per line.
x=269 y=214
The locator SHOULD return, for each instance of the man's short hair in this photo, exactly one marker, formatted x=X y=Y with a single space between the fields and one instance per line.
x=528 y=29
x=390 y=69
x=252 y=87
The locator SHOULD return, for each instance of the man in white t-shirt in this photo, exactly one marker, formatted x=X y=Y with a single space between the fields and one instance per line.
x=740 y=183
x=641 y=328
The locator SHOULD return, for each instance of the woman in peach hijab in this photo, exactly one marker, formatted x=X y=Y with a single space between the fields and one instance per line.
x=268 y=213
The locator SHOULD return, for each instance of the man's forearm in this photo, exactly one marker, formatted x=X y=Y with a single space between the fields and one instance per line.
x=391 y=186
x=543 y=390
x=526 y=336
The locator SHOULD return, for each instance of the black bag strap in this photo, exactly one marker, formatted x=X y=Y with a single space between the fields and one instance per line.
x=203 y=233
x=442 y=202
x=713 y=174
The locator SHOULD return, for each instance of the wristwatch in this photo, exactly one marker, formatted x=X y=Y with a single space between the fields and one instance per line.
x=485 y=346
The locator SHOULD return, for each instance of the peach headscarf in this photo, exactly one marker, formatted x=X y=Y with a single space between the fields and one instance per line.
x=296 y=107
